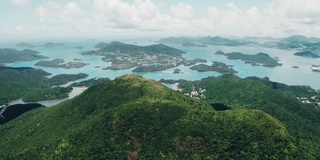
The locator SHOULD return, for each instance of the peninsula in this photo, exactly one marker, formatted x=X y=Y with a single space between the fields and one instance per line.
x=260 y=59
x=156 y=57
x=12 y=55
x=215 y=66
x=60 y=63
x=307 y=54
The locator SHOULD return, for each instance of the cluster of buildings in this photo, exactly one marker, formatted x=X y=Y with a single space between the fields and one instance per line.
x=198 y=94
x=312 y=100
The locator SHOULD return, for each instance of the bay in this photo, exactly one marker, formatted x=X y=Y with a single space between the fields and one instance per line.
x=283 y=74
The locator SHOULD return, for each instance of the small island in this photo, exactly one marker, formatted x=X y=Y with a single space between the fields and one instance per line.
x=260 y=59
x=307 y=54
x=215 y=66
x=194 y=44
x=152 y=58
x=315 y=68
x=177 y=71
x=52 y=44
x=24 y=45
x=60 y=63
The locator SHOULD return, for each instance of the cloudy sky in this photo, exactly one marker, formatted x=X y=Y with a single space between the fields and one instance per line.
x=130 y=18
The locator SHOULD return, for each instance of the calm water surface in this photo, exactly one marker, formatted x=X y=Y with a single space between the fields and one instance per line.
x=284 y=74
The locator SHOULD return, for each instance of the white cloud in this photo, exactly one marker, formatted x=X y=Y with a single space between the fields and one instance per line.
x=306 y=11
x=233 y=6
x=140 y=15
x=101 y=17
x=73 y=14
x=182 y=10
x=42 y=13
x=20 y=2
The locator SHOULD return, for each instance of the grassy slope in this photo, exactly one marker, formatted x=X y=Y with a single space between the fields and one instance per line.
x=131 y=117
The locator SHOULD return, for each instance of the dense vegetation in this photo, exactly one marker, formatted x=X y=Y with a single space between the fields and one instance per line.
x=32 y=85
x=255 y=60
x=301 y=120
x=12 y=112
x=60 y=63
x=215 y=66
x=135 y=118
x=150 y=58
x=90 y=82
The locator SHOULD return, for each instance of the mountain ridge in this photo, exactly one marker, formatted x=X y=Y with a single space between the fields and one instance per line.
x=136 y=118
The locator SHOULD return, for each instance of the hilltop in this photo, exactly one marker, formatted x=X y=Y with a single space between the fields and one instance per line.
x=292 y=105
x=136 y=118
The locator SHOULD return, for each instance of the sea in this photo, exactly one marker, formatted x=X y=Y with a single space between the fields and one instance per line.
x=70 y=51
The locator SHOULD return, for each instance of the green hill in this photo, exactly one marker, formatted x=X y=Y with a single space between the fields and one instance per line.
x=301 y=120
x=136 y=118
x=11 y=55
x=32 y=85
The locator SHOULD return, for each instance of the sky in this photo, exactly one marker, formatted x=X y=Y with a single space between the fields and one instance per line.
x=32 y=19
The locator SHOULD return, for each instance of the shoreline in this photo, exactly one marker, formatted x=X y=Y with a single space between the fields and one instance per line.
x=49 y=103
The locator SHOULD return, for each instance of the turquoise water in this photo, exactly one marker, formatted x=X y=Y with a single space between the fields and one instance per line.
x=284 y=74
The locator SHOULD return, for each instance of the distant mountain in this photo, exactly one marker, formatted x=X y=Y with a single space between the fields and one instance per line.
x=136 y=118
x=194 y=44
x=202 y=40
x=118 y=47
x=52 y=44
x=24 y=45
x=219 y=41
x=255 y=60
x=12 y=55
x=300 y=38
x=100 y=45
x=307 y=54
x=176 y=40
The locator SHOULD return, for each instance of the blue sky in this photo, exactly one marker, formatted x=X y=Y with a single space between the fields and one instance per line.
x=129 y=18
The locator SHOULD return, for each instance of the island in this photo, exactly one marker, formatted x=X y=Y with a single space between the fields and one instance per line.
x=255 y=60
x=13 y=56
x=152 y=58
x=315 y=68
x=177 y=71
x=202 y=41
x=52 y=44
x=24 y=45
x=307 y=54
x=60 y=63
x=215 y=66
x=194 y=44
